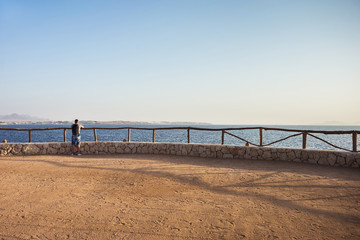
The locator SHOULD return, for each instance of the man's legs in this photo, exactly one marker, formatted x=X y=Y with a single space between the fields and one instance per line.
x=75 y=141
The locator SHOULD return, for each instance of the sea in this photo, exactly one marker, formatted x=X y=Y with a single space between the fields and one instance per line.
x=197 y=136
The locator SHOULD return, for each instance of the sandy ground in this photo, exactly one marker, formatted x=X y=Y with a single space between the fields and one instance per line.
x=169 y=197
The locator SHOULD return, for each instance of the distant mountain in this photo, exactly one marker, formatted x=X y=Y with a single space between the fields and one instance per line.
x=339 y=123
x=19 y=117
x=16 y=118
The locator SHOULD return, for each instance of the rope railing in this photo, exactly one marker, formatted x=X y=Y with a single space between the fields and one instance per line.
x=224 y=131
x=283 y=139
x=247 y=141
x=327 y=142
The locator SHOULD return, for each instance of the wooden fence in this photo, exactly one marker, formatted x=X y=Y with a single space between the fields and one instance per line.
x=224 y=131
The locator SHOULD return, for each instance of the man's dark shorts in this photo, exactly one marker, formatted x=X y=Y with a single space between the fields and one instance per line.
x=76 y=139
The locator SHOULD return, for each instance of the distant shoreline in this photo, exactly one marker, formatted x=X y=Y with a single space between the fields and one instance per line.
x=91 y=122
x=100 y=123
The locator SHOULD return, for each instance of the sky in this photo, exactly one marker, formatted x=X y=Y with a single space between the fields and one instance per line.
x=214 y=61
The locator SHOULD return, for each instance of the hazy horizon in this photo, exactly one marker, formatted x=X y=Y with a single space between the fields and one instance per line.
x=221 y=62
x=15 y=117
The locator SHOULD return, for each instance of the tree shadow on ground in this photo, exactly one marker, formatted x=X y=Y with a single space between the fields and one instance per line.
x=261 y=166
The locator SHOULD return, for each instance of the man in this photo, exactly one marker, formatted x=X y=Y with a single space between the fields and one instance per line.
x=76 y=138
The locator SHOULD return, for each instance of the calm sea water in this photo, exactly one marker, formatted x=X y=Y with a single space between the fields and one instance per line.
x=344 y=141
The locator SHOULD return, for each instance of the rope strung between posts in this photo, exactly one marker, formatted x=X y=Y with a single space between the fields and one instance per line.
x=295 y=135
x=329 y=143
x=242 y=139
x=264 y=145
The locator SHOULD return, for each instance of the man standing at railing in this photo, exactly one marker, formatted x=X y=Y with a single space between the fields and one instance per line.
x=76 y=138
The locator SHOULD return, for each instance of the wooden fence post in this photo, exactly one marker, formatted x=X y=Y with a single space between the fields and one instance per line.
x=95 y=136
x=64 y=134
x=188 y=135
x=129 y=134
x=304 y=139
x=354 y=138
x=261 y=136
x=29 y=135
x=222 y=137
x=153 y=135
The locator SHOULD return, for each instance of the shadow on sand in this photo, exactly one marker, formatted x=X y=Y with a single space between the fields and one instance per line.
x=265 y=168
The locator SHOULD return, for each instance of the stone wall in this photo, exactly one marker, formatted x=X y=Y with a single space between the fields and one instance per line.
x=321 y=157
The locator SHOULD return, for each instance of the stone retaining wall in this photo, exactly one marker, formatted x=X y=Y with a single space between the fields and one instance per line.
x=321 y=157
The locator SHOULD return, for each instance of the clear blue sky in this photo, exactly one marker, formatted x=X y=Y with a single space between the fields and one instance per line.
x=224 y=62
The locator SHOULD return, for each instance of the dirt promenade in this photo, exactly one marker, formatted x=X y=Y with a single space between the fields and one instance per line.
x=169 y=197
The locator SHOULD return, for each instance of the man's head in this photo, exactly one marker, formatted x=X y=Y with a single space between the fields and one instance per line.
x=76 y=121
